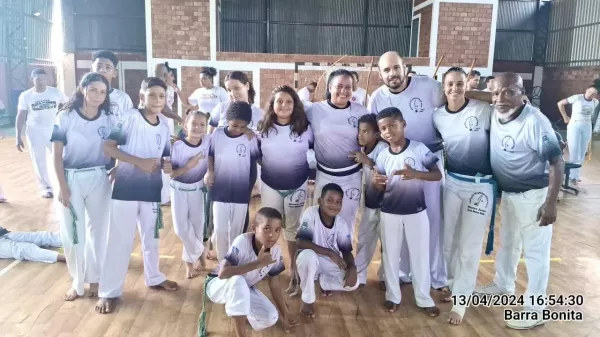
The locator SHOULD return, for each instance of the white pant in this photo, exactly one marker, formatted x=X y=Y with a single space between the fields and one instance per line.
x=579 y=135
x=259 y=182
x=165 y=192
x=433 y=200
x=415 y=227
x=38 y=141
x=229 y=219
x=312 y=160
x=26 y=246
x=368 y=234
x=467 y=211
x=351 y=185
x=84 y=225
x=187 y=207
x=1 y=192
x=310 y=265
x=289 y=203
x=521 y=231
x=121 y=234
x=241 y=300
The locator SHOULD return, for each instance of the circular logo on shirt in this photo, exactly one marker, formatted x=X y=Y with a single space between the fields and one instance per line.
x=353 y=194
x=471 y=123
x=353 y=121
x=508 y=143
x=298 y=198
x=241 y=150
x=295 y=137
x=114 y=108
x=409 y=162
x=587 y=110
x=102 y=132
x=545 y=139
x=201 y=153
x=416 y=105
x=478 y=203
x=158 y=141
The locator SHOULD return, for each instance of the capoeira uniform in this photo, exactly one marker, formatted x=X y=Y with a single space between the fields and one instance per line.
x=84 y=224
x=579 y=130
x=312 y=266
x=135 y=201
x=235 y=174
x=469 y=192
x=403 y=214
x=188 y=196
x=304 y=94
x=41 y=108
x=368 y=231
x=336 y=132
x=520 y=151
x=207 y=99
x=239 y=292
x=417 y=102
x=285 y=174
x=120 y=102
x=359 y=96
x=26 y=245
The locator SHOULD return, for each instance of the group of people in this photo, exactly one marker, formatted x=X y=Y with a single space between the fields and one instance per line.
x=427 y=160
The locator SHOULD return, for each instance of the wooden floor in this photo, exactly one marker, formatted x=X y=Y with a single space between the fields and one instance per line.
x=31 y=301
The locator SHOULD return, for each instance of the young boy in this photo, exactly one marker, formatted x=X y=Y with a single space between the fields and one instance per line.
x=251 y=258
x=105 y=62
x=26 y=246
x=325 y=249
x=368 y=231
x=138 y=142
x=400 y=174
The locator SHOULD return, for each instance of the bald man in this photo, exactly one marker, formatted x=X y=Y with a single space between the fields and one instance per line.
x=417 y=97
x=528 y=165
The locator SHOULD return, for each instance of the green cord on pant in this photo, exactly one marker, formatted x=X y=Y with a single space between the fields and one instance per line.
x=202 y=318
x=73 y=215
x=159 y=221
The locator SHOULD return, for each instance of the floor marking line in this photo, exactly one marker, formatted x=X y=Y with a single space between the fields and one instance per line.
x=9 y=267
x=552 y=259
x=160 y=256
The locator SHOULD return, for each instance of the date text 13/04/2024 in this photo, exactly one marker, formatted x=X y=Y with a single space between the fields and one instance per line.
x=508 y=300
x=545 y=315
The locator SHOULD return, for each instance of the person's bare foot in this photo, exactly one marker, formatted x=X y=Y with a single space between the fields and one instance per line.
x=326 y=293
x=48 y=195
x=104 y=305
x=390 y=306
x=382 y=286
x=167 y=285
x=61 y=258
x=307 y=310
x=432 y=311
x=444 y=289
x=447 y=299
x=3 y=200
x=71 y=295
x=93 y=290
x=454 y=318
x=190 y=271
x=211 y=256
x=201 y=263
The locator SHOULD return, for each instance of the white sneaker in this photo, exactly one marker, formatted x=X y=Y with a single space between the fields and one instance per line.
x=525 y=320
x=490 y=289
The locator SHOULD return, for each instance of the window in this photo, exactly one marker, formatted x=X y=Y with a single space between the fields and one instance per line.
x=414 y=36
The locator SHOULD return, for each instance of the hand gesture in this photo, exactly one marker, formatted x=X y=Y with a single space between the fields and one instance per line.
x=264 y=257
x=64 y=196
x=111 y=174
x=148 y=165
x=335 y=257
x=351 y=277
x=360 y=157
x=407 y=173
x=194 y=161
x=379 y=180
x=288 y=323
x=547 y=214
x=20 y=145
x=209 y=179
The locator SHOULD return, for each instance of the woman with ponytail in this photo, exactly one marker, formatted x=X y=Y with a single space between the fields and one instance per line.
x=84 y=190
x=208 y=95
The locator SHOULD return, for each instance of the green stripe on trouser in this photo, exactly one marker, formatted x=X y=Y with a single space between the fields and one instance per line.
x=202 y=318
x=207 y=213
x=159 y=221
x=73 y=214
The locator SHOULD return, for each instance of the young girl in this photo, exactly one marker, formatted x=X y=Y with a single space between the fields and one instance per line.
x=251 y=258
x=285 y=137
x=231 y=174
x=80 y=165
x=189 y=161
x=368 y=232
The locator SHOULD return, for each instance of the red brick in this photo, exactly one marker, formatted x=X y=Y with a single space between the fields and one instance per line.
x=559 y=83
x=424 y=30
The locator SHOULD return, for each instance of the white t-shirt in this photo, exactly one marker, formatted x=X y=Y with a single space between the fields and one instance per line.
x=359 y=96
x=119 y=102
x=372 y=195
x=242 y=252
x=170 y=96
x=521 y=149
x=1 y=105
x=41 y=107
x=336 y=238
x=182 y=152
x=304 y=94
x=207 y=99
x=582 y=109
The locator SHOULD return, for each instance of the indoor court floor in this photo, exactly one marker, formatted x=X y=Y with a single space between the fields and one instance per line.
x=31 y=294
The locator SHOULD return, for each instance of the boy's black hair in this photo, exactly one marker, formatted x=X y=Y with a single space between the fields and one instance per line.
x=474 y=73
x=489 y=78
x=371 y=120
x=314 y=84
x=239 y=110
x=150 y=82
x=209 y=71
x=268 y=213
x=391 y=112
x=454 y=70
x=355 y=74
x=332 y=187
x=106 y=54
x=412 y=72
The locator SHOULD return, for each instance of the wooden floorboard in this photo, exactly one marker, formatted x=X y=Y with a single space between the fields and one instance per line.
x=31 y=293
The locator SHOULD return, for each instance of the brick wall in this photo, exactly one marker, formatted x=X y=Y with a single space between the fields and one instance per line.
x=561 y=83
x=464 y=34
x=424 y=30
x=181 y=29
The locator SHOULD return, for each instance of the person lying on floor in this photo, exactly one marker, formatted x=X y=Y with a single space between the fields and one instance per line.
x=26 y=246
